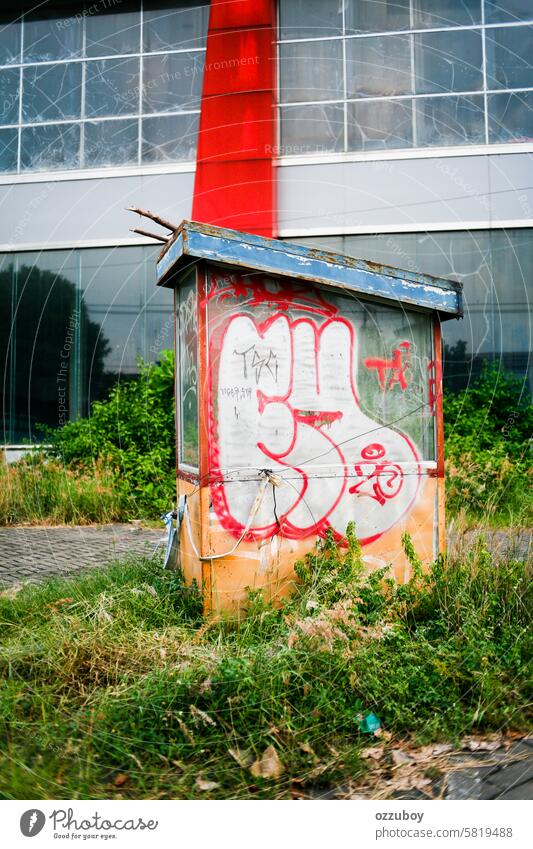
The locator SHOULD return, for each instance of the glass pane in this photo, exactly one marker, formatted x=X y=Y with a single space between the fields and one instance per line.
x=172 y=82
x=112 y=87
x=312 y=129
x=380 y=125
x=188 y=363
x=511 y=117
x=450 y=120
x=509 y=57
x=7 y=274
x=8 y=150
x=158 y=310
x=446 y=13
x=49 y=147
x=170 y=25
x=46 y=327
x=512 y=258
x=113 y=283
x=378 y=66
x=49 y=33
x=10 y=29
x=113 y=30
x=310 y=18
x=508 y=10
x=51 y=92
x=110 y=143
x=9 y=96
x=311 y=70
x=377 y=15
x=448 y=61
x=169 y=138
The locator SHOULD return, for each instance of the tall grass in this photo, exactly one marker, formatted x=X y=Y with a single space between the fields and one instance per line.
x=37 y=490
x=114 y=686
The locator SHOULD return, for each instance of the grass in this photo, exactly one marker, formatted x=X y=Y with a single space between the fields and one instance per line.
x=113 y=685
x=40 y=491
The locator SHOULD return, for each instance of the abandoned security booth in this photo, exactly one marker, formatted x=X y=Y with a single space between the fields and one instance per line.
x=309 y=395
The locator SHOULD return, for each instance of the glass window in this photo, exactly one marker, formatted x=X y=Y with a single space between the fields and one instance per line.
x=376 y=15
x=170 y=25
x=187 y=426
x=82 y=66
x=71 y=324
x=312 y=129
x=446 y=13
x=50 y=146
x=449 y=120
x=379 y=66
x=112 y=87
x=511 y=117
x=44 y=333
x=50 y=34
x=9 y=96
x=10 y=30
x=448 y=62
x=311 y=70
x=389 y=50
x=497 y=11
x=310 y=18
x=169 y=138
x=509 y=55
x=380 y=124
x=172 y=81
x=51 y=92
x=113 y=30
x=495 y=267
x=8 y=150
x=111 y=142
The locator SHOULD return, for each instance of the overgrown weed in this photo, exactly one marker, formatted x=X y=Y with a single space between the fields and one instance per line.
x=114 y=685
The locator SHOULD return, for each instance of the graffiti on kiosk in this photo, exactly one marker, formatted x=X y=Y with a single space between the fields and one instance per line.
x=283 y=396
x=392 y=371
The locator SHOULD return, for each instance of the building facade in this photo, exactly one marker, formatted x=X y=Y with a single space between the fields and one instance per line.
x=400 y=132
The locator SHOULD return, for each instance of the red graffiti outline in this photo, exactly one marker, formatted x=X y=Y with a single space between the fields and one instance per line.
x=287 y=297
x=218 y=495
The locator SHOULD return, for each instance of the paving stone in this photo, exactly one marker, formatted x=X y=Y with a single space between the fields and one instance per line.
x=35 y=553
x=511 y=777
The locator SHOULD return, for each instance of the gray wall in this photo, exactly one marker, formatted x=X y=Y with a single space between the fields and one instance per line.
x=66 y=213
x=406 y=194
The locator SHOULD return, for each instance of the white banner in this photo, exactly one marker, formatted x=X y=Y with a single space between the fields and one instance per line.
x=266 y=824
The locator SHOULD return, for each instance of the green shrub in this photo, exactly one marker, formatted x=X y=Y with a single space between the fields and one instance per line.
x=132 y=434
x=487 y=438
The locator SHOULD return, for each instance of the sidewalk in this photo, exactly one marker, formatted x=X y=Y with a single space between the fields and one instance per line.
x=33 y=553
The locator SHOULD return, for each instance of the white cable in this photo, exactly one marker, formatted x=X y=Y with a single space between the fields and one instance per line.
x=269 y=478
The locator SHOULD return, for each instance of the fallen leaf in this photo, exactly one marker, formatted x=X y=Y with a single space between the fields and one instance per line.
x=400 y=758
x=484 y=745
x=205 y=786
x=120 y=779
x=149 y=588
x=442 y=748
x=162 y=653
x=244 y=757
x=269 y=765
x=308 y=749
x=374 y=752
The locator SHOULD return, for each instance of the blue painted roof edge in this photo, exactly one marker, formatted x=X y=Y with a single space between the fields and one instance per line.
x=231 y=247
